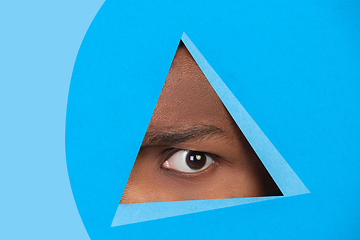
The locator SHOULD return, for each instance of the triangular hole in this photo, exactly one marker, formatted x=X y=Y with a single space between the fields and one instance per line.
x=193 y=149
x=267 y=160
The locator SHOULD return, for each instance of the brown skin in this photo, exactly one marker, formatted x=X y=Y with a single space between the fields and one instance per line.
x=188 y=102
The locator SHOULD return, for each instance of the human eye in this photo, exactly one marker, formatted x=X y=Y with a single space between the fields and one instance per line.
x=187 y=161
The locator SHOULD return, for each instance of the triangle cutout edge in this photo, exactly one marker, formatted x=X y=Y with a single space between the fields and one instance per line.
x=285 y=178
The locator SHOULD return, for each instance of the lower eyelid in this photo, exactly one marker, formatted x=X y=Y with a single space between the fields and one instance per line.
x=171 y=151
x=184 y=175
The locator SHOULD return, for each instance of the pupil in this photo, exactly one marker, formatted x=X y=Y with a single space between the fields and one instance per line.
x=195 y=160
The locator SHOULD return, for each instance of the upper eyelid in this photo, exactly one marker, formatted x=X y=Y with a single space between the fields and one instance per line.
x=172 y=151
x=169 y=152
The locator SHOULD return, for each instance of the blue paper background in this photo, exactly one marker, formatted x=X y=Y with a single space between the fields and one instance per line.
x=300 y=85
x=39 y=41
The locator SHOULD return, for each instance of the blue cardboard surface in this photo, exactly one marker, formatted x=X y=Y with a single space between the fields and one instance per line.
x=293 y=66
x=285 y=178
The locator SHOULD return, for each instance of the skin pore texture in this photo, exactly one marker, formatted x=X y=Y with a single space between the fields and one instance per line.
x=190 y=116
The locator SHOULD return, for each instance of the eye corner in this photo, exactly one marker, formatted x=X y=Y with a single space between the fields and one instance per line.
x=187 y=162
x=189 y=175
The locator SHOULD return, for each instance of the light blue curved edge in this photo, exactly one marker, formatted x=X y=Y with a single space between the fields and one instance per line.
x=141 y=212
x=286 y=179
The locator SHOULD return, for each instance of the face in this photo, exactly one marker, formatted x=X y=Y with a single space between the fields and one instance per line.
x=193 y=149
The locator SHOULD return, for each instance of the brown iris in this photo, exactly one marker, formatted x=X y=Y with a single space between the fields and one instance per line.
x=195 y=160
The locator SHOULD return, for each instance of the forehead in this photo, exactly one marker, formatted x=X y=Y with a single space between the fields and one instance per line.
x=187 y=97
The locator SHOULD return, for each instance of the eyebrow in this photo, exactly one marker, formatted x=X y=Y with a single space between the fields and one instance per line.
x=182 y=135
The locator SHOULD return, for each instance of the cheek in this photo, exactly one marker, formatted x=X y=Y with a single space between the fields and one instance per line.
x=220 y=182
x=141 y=186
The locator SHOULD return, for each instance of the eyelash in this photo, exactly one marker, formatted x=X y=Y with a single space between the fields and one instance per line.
x=188 y=170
